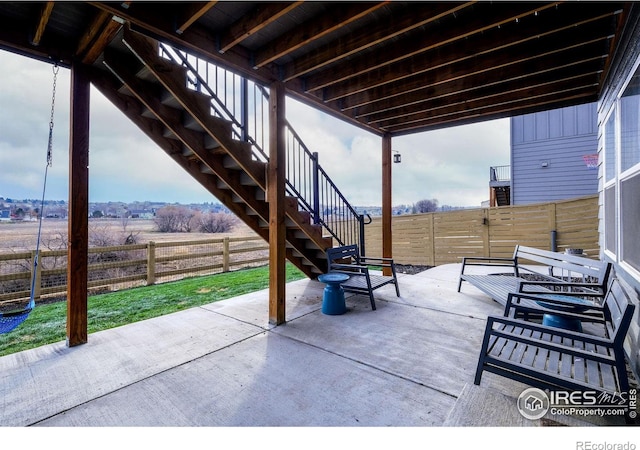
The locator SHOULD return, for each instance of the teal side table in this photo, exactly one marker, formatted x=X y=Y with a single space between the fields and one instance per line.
x=333 y=298
x=575 y=304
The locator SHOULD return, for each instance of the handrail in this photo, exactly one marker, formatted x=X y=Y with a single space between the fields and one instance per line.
x=499 y=173
x=305 y=178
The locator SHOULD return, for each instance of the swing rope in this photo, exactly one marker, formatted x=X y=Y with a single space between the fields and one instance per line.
x=10 y=320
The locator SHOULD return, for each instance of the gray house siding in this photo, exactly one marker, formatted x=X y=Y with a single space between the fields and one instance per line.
x=547 y=154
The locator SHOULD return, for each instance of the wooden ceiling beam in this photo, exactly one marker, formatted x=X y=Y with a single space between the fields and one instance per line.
x=467 y=89
x=461 y=91
x=147 y=19
x=337 y=16
x=97 y=37
x=523 y=106
x=109 y=32
x=43 y=20
x=495 y=45
x=259 y=18
x=510 y=95
x=92 y=31
x=474 y=21
x=413 y=16
x=530 y=54
x=54 y=48
x=192 y=13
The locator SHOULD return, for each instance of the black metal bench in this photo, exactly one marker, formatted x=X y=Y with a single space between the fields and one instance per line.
x=347 y=260
x=557 y=359
x=574 y=275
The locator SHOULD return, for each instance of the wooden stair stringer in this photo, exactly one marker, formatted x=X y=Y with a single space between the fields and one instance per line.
x=132 y=108
x=198 y=106
x=190 y=138
x=167 y=119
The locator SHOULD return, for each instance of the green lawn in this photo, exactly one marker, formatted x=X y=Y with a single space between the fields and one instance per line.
x=47 y=323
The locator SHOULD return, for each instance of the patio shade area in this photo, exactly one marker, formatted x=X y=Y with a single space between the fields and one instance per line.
x=388 y=67
x=410 y=363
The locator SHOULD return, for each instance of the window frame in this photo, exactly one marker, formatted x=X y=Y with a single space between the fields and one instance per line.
x=618 y=178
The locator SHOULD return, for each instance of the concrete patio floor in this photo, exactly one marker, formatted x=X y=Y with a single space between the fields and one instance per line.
x=410 y=363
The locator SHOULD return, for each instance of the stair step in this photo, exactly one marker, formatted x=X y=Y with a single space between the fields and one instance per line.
x=216 y=135
x=210 y=143
x=145 y=74
x=167 y=133
x=125 y=91
x=246 y=180
x=319 y=254
x=191 y=123
x=169 y=100
x=230 y=163
x=288 y=223
x=148 y=114
x=188 y=153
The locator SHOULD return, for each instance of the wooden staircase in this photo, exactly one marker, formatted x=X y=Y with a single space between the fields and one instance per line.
x=152 y=92
x=503 y=196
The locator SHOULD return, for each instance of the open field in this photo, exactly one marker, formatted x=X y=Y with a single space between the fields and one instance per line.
x=22 y=236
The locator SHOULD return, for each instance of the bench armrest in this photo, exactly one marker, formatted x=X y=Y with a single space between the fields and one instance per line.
x=590 y=289
x=486 y=261
x=554 y=331
x=488 y=258
x=350 y=267
x=592 y=313
x=369 y=259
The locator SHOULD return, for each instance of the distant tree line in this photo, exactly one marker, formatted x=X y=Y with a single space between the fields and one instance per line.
x=425 y=206
x=180 y=219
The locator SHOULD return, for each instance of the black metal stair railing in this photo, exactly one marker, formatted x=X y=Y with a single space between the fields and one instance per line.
x=245 y=104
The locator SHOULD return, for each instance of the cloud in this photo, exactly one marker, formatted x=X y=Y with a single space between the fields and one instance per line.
x=451 y=165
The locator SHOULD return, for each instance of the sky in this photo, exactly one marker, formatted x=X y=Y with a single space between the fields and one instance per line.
x=450 y=165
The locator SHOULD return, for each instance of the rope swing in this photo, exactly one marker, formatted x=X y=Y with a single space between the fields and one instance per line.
x=11 y=319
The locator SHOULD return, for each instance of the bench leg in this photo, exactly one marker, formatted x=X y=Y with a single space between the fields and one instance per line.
x=483 y=351
x=371 y=299
x=461 y=273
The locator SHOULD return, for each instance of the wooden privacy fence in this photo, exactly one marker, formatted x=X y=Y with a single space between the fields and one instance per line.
x=125 y=266
x=439 y=238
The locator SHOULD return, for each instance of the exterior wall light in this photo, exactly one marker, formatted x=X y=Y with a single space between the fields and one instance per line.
x=397 y=158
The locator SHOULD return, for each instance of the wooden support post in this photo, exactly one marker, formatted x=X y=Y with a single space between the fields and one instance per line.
x=36 y=274
x=77 y=253
x=151 y=263
x=386 y=201
x=225 y=254
x=276 y=198
x=553 y=226
x=486 y=232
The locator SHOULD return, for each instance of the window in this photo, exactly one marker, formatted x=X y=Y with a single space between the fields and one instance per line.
x=630 y=124
x=610 y=147
x=630 y=221
x=610 y=242
x=621 y=184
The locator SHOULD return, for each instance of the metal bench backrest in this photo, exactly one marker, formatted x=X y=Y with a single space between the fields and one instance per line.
x=597 y=270
x=343 y=253
x=619 y=311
